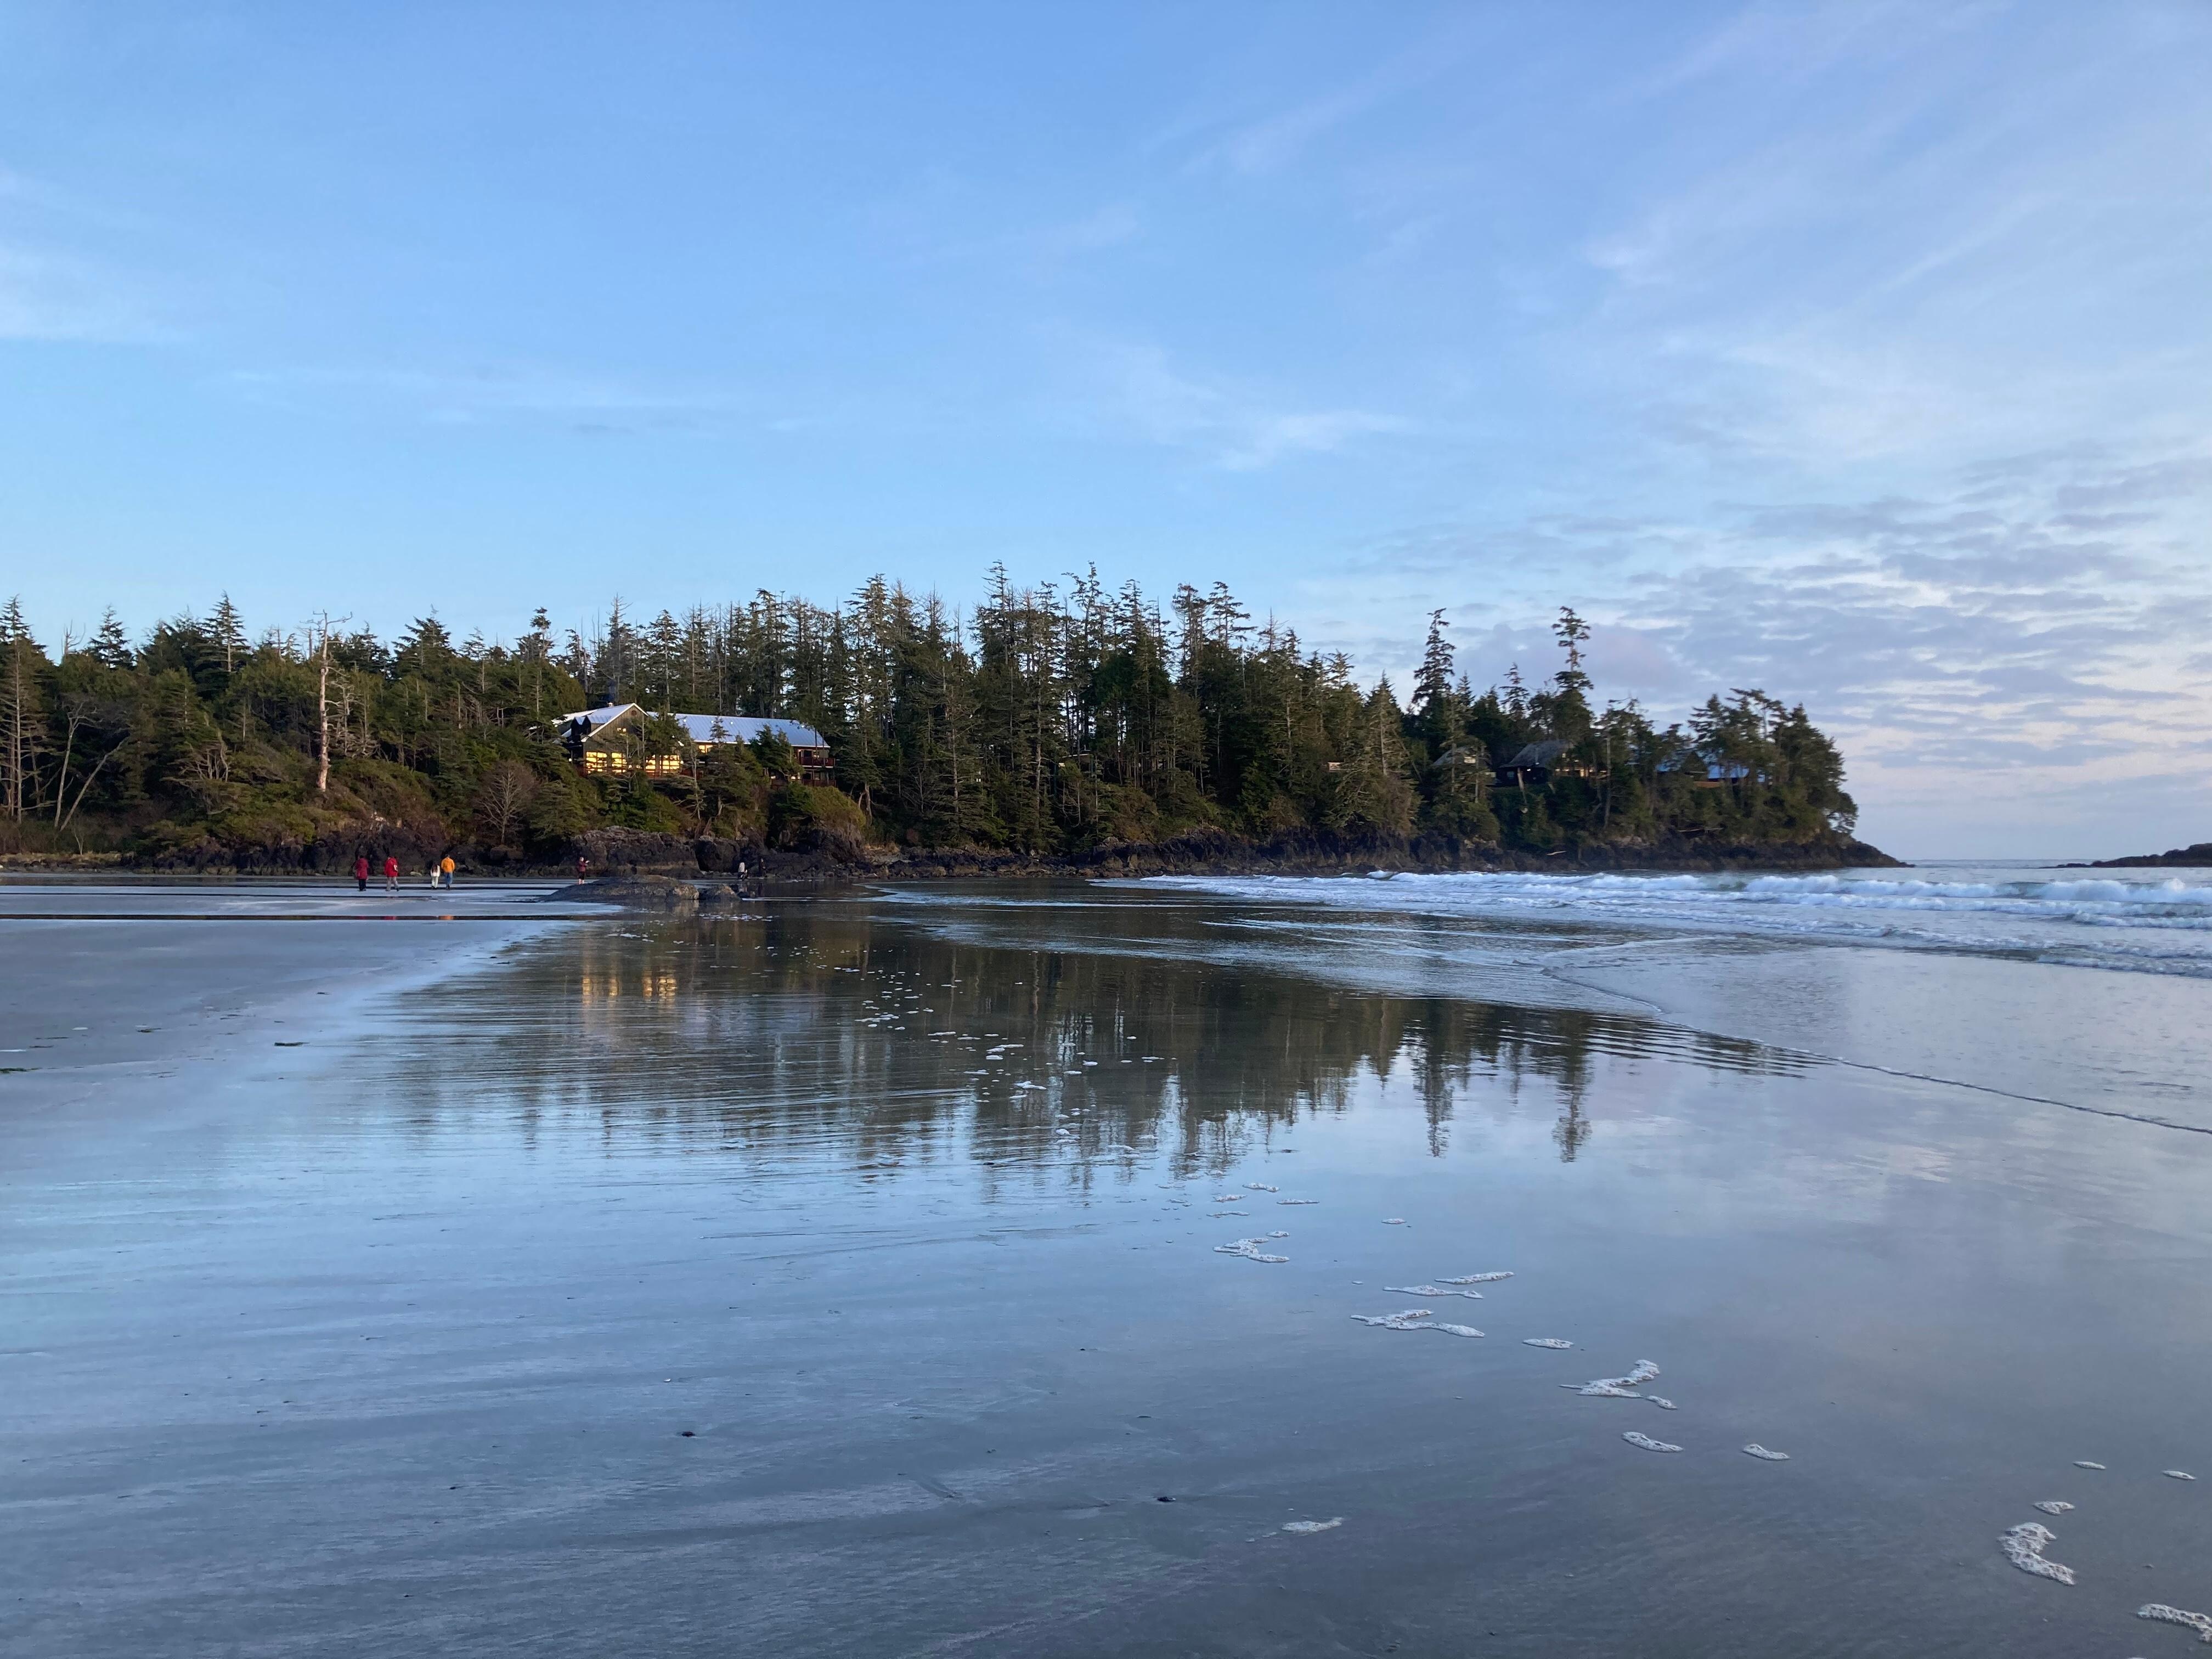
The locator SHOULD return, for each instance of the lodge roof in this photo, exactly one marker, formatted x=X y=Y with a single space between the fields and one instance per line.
x=1537 y=755
x=707 y=728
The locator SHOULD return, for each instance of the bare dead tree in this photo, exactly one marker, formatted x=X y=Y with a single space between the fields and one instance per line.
x=507 y=790
x=318 y=633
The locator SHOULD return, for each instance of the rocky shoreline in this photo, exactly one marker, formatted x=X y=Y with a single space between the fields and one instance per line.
x=2198 y=857
x=622 y=854
x=626 y=853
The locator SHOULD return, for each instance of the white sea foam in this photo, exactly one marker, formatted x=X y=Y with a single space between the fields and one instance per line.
x=1259 y=1187
x=2177 y=1474
x=1765 y=1456
x=1618 y=1387
x=1414 y=1319
x=1406 y=1319
x=1312 y=1526
x=2151 y=925
x=2196 y=1621
x=1431 y=1290
x=1249 y=1249
x=2084 y=1463
x=1661 y=1402
x=1648 y=1443
x=1394 y=1221
x=1478 y=1279
x=2053 y=1506
x=1547 y=1342
x=1297 y=1200
x=2023 y=1546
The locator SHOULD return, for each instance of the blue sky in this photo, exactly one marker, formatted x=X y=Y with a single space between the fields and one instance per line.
x=1863 y=352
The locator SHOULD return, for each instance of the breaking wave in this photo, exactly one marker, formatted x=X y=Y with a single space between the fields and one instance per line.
x=2161 y=923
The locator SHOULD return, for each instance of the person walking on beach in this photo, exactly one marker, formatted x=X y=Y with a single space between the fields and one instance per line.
x=445 y=871
x=391 y=873
x=361 y=872
x=583 y=869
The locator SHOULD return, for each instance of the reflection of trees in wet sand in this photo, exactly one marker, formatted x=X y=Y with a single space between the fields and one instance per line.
x=812 y=1025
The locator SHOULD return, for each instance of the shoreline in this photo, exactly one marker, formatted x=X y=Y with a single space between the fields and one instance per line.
x=630 y=853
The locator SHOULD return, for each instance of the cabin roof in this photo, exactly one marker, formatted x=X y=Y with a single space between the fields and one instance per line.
x=1538 y=754
x=708 y=728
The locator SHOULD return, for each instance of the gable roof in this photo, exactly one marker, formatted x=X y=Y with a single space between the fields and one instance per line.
x=707 y=728
x=1535 y=755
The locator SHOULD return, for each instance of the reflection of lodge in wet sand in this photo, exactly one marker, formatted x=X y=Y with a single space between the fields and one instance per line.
x=620 y=739
x=650 y=984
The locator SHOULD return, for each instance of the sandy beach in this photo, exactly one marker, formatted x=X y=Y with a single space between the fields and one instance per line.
x=893 y=1272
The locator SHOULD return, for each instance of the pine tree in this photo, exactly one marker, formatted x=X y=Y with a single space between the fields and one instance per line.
x=226 y=631
x=110 y=645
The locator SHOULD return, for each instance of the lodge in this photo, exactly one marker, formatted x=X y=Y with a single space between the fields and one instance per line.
x=1540 y=763
x=609 y=740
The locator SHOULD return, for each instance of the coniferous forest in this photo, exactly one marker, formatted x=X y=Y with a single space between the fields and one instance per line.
x=1046 y=723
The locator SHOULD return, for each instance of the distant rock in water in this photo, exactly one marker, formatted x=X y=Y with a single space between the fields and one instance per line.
x=2198 y=857
x=638 y=892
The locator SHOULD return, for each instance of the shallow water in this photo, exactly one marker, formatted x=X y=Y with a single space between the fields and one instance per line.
x=844 y=1278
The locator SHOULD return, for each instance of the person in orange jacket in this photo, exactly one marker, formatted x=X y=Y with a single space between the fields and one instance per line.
x=361 y=872
x=445 y=871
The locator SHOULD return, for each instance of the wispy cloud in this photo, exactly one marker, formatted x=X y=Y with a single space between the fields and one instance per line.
x=51 y=287
x=1238 y=427
x=587 y=402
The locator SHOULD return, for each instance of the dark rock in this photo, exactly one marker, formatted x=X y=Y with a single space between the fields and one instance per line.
x=638 y=892
x=2198 y=857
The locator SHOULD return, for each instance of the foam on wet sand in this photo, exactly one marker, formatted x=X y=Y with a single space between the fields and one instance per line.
x=1618 y=1387
x=2023 y=1546
x=1250 y=1249
x=2201 y=1623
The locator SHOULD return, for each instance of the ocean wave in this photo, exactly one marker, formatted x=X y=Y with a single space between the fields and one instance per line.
x=2143 y=925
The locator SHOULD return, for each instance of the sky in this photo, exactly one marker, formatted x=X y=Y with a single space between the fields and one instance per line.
x=1859 y=352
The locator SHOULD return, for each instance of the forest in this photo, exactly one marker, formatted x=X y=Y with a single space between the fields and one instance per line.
x=1047 y=721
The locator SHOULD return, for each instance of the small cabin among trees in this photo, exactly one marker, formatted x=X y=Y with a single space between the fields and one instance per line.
x=627 y=737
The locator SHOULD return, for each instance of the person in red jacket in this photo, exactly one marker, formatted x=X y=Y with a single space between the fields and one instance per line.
x=361 y=872
x=390 y=875
x=583 y=869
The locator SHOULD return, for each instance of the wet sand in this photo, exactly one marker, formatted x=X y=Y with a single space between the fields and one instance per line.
x=584 y=1285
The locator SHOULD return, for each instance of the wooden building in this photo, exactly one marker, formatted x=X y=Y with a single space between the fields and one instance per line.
x=1538 y=764
x=612 y=740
